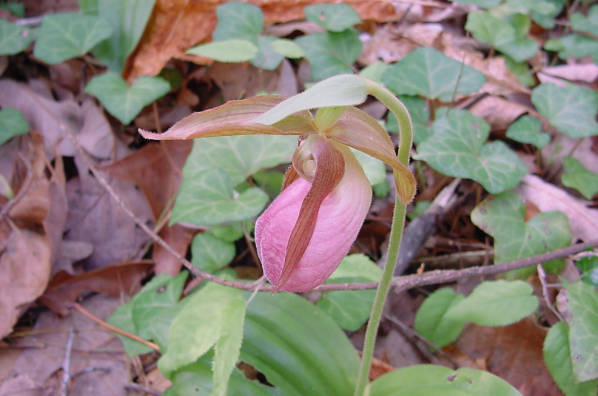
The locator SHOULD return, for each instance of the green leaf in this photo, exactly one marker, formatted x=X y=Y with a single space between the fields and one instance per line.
x=66 y=36
x=420 y=115
x=457 y=148
x=238 y=20
x=332 y=17
x=14 y=38
x=228 y=346
x=267 y=57
x=228 y=233
x=205 y=320
x=503 y=217
x=374 y=71
x=573 y=46
x=374 y=169
x=431 y=321
x=155 y=306
x=122 y=318
x=429 y=73
x=543 y=12
x=15 y=8
x=587 y=24
x=210 y=253
x=557 y=357
x=419 y=209
x=270 y=182
x=128 y=19
x=427 y=379
x=480 y=3
x=122 y=101
x=12 y=123
x=299 y=348
x=331 y=53
x=520 y=49
x=521 y=72
x=571 y=110
x=233 y=50
x=287 y=48
x=577 y=176
x=351 y=308
x=496 y=303
x=583 y=333
x=589 y=268
x=528 y=129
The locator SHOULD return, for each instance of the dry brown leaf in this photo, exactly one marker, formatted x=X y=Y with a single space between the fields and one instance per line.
x=587 y=72
x=498 y=112
x=514 y=353
x=179 y=238
x=115 y=280
x=177 y=25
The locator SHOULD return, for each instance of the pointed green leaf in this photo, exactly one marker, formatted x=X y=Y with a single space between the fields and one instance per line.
x=458 y=148
x=429 y=73
x=427 y=379
x=503 y=217
x=571 y=110
x=210 y=253
x=528 y=129
x=238 y=20
x=331 y=53
x=228 y=346
x=287 y=48
x=431 y=321
x=122 y=101
x=579 y=177
x=557 y=357
x=495 y=303
x=587 y=24
x=332 y=17
x=14 y=38
x=233 y=50
x=583 y=333
x=68 y=35
x=12 y=123
x=122 y=318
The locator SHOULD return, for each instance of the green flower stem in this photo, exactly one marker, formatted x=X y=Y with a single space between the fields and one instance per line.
x=396 y=233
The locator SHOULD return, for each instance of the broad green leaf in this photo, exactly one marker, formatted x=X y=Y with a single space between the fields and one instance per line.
x=521 y=72
x=588 y=24
x=495 y=303
x=12 y=123
x=557 y=357
x=487 y=28
x=426 y=380
x=287 y=48
x=351 y=308
x=299 y=348
x=267 y=57
x=331 y=53
x=583 y=330
x=68 y=35
x=122 y=318
x=202 y=322
x=571 y=110
x=543 y=12
x=429 y=73
x=520 y=49
x=270 y=182
x=528 y=129
x=577 y=176
x=420 y=116
x=228 y=346
x=155 y=306
x=233 y=50
x=123 y=101
x=480 y=3
x=589 y=269
x=458 y=148
x=503 y=217
x=573 y=46
x=374 y=71
x=431 y=321
x=196 y=380
x=228 y=233
x=15 y=8
x=238 y=20
x=374 y=169
x=340 y=90
x=14 y=38
x=332 y=17
x=210 y=253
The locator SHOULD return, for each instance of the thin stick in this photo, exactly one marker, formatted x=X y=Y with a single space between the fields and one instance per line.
x=542 y=277
x=113 y=328
x=66 y=364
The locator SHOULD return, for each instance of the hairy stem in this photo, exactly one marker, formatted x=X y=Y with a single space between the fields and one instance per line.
x=396 y=233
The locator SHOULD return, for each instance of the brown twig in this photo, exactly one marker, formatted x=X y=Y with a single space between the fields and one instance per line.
x=113 y=328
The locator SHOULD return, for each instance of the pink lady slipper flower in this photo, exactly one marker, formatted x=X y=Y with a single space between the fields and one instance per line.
x=310 y=227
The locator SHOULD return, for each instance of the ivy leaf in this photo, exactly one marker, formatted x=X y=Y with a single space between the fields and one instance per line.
x=573 y=46
x=238 y=20
x=579 y=177
x=503 y=217
x=12 y=123
x=571 y=110
x=374 y=71
x=431 y=321
x=420 y=115
x=457 y=148
x=589 y=269
x=332 y=17
x=557 y=357
x=583 y=333
x=14 y=38
x=232 y=50
x=479 y=3
x=543 y=12
x=267 y=57
x=528 y=129
x=587 y=24
x=429 y=73
x=210 y=253
x=331 y=53
x=68 y=35
x=122 y=101
x=521 y=72
x=374 y=169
